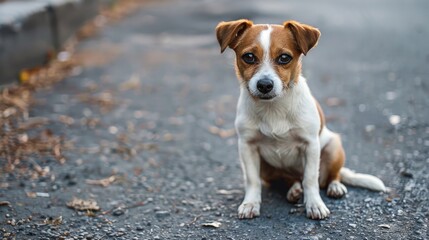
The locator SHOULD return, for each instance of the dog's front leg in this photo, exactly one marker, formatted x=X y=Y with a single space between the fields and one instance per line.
x=250 y=164
x=314 y=205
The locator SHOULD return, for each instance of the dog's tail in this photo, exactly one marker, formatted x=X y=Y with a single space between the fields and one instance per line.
x=362 y=180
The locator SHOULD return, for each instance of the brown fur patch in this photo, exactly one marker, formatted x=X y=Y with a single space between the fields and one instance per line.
x=249 y=43
x=228 y=33
x=306 y=36
x=321 y=115
x=332 y=159
x=283 y=42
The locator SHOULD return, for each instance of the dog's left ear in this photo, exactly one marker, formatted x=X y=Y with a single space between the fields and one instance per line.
x=306 y=36
x=227 y=33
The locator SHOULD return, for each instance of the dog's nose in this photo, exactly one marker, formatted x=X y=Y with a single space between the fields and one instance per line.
x=265 y=85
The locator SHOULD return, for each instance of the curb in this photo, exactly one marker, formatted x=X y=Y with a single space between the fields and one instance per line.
x=33 y=30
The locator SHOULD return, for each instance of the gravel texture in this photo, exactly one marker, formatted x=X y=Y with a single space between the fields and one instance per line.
x=153 y=107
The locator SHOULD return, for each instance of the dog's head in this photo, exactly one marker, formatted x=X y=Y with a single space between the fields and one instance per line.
x=267 y=56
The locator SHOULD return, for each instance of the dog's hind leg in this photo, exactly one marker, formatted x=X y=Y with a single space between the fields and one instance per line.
x=331 y=161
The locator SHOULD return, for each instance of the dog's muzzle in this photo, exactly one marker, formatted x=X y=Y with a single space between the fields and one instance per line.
x=265 y=89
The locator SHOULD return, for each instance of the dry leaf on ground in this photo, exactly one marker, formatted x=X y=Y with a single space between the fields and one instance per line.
x=31 y=194
x=5 y=203
x=105 y=182
x=83 y=205
x=16 y=142
x=53 y=221
x=32 y=123
x=104 y=100
x=66 y=119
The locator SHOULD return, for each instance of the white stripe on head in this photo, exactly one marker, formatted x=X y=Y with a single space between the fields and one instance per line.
x=266 y=70
x=265 y=40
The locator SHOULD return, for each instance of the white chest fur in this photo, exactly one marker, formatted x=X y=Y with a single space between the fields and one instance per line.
x=281 y=128
x=287 y=154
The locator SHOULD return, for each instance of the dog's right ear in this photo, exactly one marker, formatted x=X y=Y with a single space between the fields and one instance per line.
x=227 y=33
x=306 y=36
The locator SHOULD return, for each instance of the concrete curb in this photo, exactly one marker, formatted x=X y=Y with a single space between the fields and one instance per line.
x=31 y=30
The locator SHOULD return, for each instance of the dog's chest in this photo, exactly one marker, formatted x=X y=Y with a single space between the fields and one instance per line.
x=281 y=145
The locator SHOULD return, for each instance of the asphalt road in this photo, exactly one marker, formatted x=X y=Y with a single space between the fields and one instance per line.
x=167 y=138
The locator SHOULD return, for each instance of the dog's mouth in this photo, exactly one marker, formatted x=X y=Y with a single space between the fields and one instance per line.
x=261 y=96
x=266 y=97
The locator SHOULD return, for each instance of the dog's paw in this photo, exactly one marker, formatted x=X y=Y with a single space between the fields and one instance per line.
x=316 y=208
x=248 y=210
x=336 y=189
x=295 y=193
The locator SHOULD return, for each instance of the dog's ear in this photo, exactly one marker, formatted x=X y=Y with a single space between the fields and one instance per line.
x=306 y=36
x=227 y=33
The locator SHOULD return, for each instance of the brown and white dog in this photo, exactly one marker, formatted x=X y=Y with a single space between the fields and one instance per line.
x=280 y=126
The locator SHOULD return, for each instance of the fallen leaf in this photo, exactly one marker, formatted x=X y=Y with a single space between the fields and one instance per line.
x=104 y=100
x=66 y=119
x=90 y=213
x=9 y=112
x=212 y=224
x=5 y=203
x=33 y=123
x=105 y=182
x=40 y=170
x=83 y=205
x=24 y=76
x=31 y=194
x=17 y=99
x=53 y=221
x=57 y=151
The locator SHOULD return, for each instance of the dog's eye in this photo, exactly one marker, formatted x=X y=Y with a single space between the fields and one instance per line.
x=284 y=59
x=249 y=58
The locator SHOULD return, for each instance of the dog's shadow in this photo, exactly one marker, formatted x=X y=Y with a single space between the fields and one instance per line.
x=278 y=187
x=275 y=204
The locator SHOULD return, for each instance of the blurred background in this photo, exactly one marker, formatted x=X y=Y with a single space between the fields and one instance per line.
x=136 y=119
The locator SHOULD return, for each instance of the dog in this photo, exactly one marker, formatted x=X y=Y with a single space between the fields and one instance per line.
x=280 y=126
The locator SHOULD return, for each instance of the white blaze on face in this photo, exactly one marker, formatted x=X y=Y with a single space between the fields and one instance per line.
x=266 y=69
